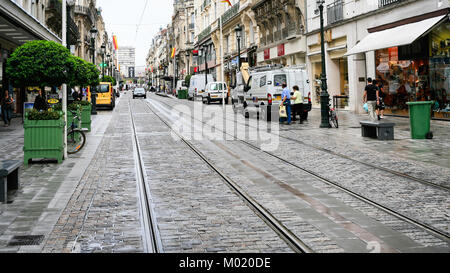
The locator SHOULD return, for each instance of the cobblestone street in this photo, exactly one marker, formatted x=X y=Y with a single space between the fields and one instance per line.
x=90 y=203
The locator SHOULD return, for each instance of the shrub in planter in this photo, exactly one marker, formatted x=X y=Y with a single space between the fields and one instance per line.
x=43 y=135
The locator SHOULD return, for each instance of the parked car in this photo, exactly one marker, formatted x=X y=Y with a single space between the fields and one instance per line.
x=197 y=85
x=105 y=95
x=215 y=91
x=263 y=88
x=181 y=85
x=139 y=92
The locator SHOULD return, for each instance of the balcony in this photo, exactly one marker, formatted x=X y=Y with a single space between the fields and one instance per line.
x=335 y=12
x=204 y=33
x=86 y=11
x=383 y=3
x=229 y=14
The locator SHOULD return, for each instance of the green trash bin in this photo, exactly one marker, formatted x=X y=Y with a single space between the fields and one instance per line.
x=420 y=117
x=182 y=94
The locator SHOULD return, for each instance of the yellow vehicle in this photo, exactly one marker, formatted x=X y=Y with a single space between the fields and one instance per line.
x=105 y=95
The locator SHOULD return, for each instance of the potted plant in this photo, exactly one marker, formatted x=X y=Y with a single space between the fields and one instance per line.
x=43 y=135
x=43 y=64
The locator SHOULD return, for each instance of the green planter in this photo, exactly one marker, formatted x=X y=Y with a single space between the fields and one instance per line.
x=86 y=118
x=43 y=139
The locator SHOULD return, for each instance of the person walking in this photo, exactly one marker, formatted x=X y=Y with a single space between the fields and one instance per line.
x=7 y=104
x=380 y=106
x=297 y=108
x=371 y=98
x=286 y=100
x=40 y=102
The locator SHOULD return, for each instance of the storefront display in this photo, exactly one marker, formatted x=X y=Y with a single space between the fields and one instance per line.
x=417 y=72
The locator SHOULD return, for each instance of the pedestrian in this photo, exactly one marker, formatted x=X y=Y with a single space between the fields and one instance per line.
x=297 y=108
x=381 y=106
x=7 y=105
x=371 y=98
x=40 y=103
x=286 y=100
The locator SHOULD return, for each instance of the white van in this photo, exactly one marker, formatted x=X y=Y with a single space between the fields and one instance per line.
x=197 y=85
x=215 y=91
x=264 y=88
x=181 y=85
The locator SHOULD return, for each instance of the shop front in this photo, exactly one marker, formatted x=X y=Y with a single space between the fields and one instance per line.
x=417 y=72
x=414 y=64
x=16 y=28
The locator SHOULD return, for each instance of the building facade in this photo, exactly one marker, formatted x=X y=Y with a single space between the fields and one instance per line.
x=364 y=39
x=127 y=61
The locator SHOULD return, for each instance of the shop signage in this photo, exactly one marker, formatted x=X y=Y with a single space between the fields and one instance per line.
x=281 y=50
x=53 y=99
x=267 y=54
x=195 y=52
x=393 y=54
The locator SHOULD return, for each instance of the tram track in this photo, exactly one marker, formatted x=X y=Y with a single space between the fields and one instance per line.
x=394 y=172
x=151 y=236
x=417 y=223
x=295 y=243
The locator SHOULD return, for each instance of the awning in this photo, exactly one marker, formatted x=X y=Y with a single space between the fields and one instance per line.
x=398 y=36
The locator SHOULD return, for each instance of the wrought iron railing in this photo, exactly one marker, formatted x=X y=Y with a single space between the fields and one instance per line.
x=229 y=14
x=335 y=12
x=382 y=3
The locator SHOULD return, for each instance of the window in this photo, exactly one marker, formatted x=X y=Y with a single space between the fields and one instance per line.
x=262 y=81
x=279 y=79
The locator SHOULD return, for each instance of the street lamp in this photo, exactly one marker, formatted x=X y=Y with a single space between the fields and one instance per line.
x=188 y=70
x=324 y=96
x=103 y=50
x=238 y=31
x=108 y=59
x=205 y=48
x=94 y=32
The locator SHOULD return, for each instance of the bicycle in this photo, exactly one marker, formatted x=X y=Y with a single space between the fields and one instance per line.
x=333 y=117
x=75 y=137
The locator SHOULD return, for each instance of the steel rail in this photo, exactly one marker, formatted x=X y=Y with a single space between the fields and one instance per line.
x=151 y=236
x=285 y=234
x=438 y=233
x=404 y=175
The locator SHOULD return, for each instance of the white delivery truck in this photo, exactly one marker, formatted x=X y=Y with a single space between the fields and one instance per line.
x=181 y=85
x=198 y=84
x=261 y=93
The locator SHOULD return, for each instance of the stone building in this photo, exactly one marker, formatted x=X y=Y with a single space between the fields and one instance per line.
x=405 y=44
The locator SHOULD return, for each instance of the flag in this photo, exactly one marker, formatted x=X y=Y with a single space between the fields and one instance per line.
x=116 y=46
x=173 y=53
x=227 y=1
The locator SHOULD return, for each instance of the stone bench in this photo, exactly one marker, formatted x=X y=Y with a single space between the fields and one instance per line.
x=9 y=178
x=378 y=129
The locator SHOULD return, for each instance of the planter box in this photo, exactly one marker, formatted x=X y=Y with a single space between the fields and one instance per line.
x=70 y=119
x=43 y=139
x=86 y=118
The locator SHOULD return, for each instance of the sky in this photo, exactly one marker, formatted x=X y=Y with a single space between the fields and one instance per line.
x=121 y=18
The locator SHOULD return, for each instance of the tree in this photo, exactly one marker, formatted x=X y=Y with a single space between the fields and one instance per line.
x=39 y=63
x=187 y=80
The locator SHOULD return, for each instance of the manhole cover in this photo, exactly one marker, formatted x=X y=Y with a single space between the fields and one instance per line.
x=30 y=240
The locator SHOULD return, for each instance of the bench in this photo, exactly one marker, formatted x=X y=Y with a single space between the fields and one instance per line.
x=378 y=129
x=9 y=178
